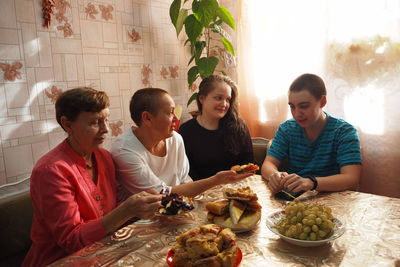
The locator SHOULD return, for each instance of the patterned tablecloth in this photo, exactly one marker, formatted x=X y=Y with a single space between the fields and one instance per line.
x=372 y=236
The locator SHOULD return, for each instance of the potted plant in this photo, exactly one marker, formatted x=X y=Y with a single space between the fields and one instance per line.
x=203 y=21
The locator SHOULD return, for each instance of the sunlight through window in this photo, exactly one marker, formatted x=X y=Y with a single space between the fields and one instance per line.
x=292 y=37
x=364 y=108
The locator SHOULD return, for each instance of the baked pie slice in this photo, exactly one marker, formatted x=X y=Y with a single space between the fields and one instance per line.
x=250 y=167
x=243 y=193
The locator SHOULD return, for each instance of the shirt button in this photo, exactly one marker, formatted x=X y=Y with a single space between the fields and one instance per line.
x=98 y=198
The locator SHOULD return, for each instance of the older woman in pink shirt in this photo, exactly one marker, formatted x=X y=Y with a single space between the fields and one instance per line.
x=73 y=187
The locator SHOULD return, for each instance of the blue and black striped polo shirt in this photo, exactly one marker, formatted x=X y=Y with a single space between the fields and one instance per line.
x=337 y=145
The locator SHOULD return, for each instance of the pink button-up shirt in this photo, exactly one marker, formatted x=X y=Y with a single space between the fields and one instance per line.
x=68 y=206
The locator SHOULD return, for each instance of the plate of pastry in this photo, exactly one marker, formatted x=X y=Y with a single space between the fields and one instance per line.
x=239 y=210
x=206 y=245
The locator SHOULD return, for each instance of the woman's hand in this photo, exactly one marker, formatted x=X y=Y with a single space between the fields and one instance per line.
x=274 y=181
x=230 y=177
x=296 y=183
x=144 y=204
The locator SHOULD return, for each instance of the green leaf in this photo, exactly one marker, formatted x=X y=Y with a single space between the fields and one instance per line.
x=193 y=28
x=206 y=66
x=196 y=6
x=183 y=13
x=191 y=59
x=228 y=45
x=192 y=75
x=192 y=98
x=205 y=11
x=199 y=45
x=226 y=16
x=174 y=11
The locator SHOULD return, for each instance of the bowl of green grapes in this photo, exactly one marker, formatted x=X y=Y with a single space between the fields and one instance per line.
x=305 y=224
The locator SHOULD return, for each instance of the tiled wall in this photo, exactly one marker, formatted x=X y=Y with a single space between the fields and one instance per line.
x=117 y=46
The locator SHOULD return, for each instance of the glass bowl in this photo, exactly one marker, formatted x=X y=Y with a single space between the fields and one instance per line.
x=274 y=217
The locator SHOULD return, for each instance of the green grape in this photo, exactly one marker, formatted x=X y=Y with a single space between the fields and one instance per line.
x=310 y=222
x=313 y=236
x=288 y=209
x=306 y=229
x=321 y=234
x=288 y=233
x=311 y=216
x=327 y=210
x=303 y=236
x=306 y=221
x=295 y=208
x=323 y=216
x=301 y=206
x=315 y=208
x=299 y=215
x=293 y=228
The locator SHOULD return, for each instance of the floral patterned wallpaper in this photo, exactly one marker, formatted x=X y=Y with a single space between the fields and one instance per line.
x=117 y=46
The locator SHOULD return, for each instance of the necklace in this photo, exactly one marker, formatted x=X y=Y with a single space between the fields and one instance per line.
x=88 y=166
x=89 y=163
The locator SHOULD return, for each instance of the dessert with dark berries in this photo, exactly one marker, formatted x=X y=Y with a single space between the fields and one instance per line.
x=174 y=204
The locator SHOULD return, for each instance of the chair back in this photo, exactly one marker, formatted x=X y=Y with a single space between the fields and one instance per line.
x=260 y=148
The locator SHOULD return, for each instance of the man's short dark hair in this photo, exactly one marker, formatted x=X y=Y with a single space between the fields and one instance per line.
x=310 y=82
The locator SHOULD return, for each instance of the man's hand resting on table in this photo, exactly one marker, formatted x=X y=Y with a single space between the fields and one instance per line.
x=274 y=181
x=295 y=183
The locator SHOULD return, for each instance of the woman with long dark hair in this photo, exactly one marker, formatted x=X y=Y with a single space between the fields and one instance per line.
x=217 y=138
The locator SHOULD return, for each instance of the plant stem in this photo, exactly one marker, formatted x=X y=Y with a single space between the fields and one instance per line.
x=208 y=42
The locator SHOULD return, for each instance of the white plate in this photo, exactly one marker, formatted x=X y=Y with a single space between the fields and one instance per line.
x=274 y=217
x=236 y=227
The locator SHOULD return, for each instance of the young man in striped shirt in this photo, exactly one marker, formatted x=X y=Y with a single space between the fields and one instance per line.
x=323 y=152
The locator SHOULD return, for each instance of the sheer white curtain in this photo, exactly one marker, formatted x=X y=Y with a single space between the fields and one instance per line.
x=353 y=45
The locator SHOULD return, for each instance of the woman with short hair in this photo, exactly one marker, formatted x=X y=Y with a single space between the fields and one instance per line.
x=151 y=155
x=73 y=188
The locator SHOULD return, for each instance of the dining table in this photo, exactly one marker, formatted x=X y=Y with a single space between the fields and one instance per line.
x=371 y=237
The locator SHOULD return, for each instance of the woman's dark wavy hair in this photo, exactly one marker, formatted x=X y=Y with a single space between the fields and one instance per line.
x=232 y=127
x=72 y=102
